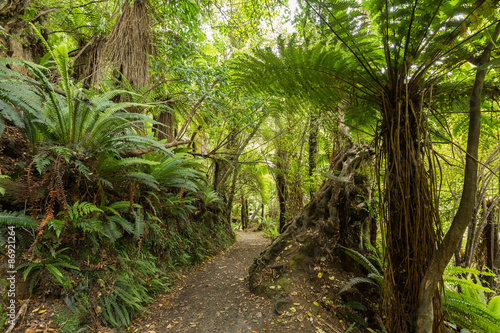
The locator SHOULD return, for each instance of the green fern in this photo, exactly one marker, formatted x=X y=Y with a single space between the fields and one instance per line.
x=356 y=280
x=361 y=259
x=469 y=308
x=81 y=209
x=494 y=305
x=2 y=190
x=18 y=219
x=55 y=266
x=131 y=289
x=145 y=179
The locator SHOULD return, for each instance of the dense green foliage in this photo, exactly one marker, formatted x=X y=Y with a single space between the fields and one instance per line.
x=138 y=133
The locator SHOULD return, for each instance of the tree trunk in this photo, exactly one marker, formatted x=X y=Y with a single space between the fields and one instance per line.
x=281 y=188
x=429 y=285
x=491 y=242
x=335 y=214
x=244 y=212
x=15 y=41
x=412 y=214
x=230 y=199
x=217 y=173
x=166 y=130
x=313 y=147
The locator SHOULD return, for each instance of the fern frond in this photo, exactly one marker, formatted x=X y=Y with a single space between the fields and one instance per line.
x=18 y=219
x=144 y=179
x=354 y=281
x=470 y=313
x=361 y=259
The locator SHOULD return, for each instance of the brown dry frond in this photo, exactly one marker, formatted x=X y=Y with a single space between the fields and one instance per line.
x=86 y=65
x=129 y=44
x=56 y=193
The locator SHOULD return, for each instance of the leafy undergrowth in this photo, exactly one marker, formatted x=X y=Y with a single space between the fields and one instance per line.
x=90 y=255
x=73 y=289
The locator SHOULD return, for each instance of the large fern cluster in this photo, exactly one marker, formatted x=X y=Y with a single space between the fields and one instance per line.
x=111 y=192
x=468 y=307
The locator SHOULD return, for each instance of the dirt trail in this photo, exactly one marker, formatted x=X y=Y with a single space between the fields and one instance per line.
x=215 y=298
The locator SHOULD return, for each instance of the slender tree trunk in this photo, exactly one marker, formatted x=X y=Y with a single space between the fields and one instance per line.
x=429 y=285
x=281 y=187
x=491 y=240
x=313 y=147
x=217 y=173
x=230 y=199
x=244 y=212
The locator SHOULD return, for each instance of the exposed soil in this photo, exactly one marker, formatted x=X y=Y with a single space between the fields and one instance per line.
x=215 y=298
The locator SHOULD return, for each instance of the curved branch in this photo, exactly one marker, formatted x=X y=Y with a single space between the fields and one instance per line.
x=465 y=210
x=139 y=152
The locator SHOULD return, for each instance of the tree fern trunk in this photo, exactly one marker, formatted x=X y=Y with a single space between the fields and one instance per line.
x=411 y=211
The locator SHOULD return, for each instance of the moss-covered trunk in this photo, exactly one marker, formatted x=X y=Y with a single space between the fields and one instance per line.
x=337 y=213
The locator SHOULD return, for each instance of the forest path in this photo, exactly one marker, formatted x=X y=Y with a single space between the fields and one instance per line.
x=215 y=297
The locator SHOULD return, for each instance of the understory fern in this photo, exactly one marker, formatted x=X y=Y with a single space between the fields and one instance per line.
x=131 y=289
x=469 y=308
x=374 y=277
x=17 y=219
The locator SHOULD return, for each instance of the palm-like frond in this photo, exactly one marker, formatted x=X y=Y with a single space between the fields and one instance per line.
x=178 y=171
x=354 y=281
x=361 y=259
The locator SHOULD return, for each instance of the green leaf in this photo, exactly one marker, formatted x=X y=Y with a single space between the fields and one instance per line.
x=494 y=305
